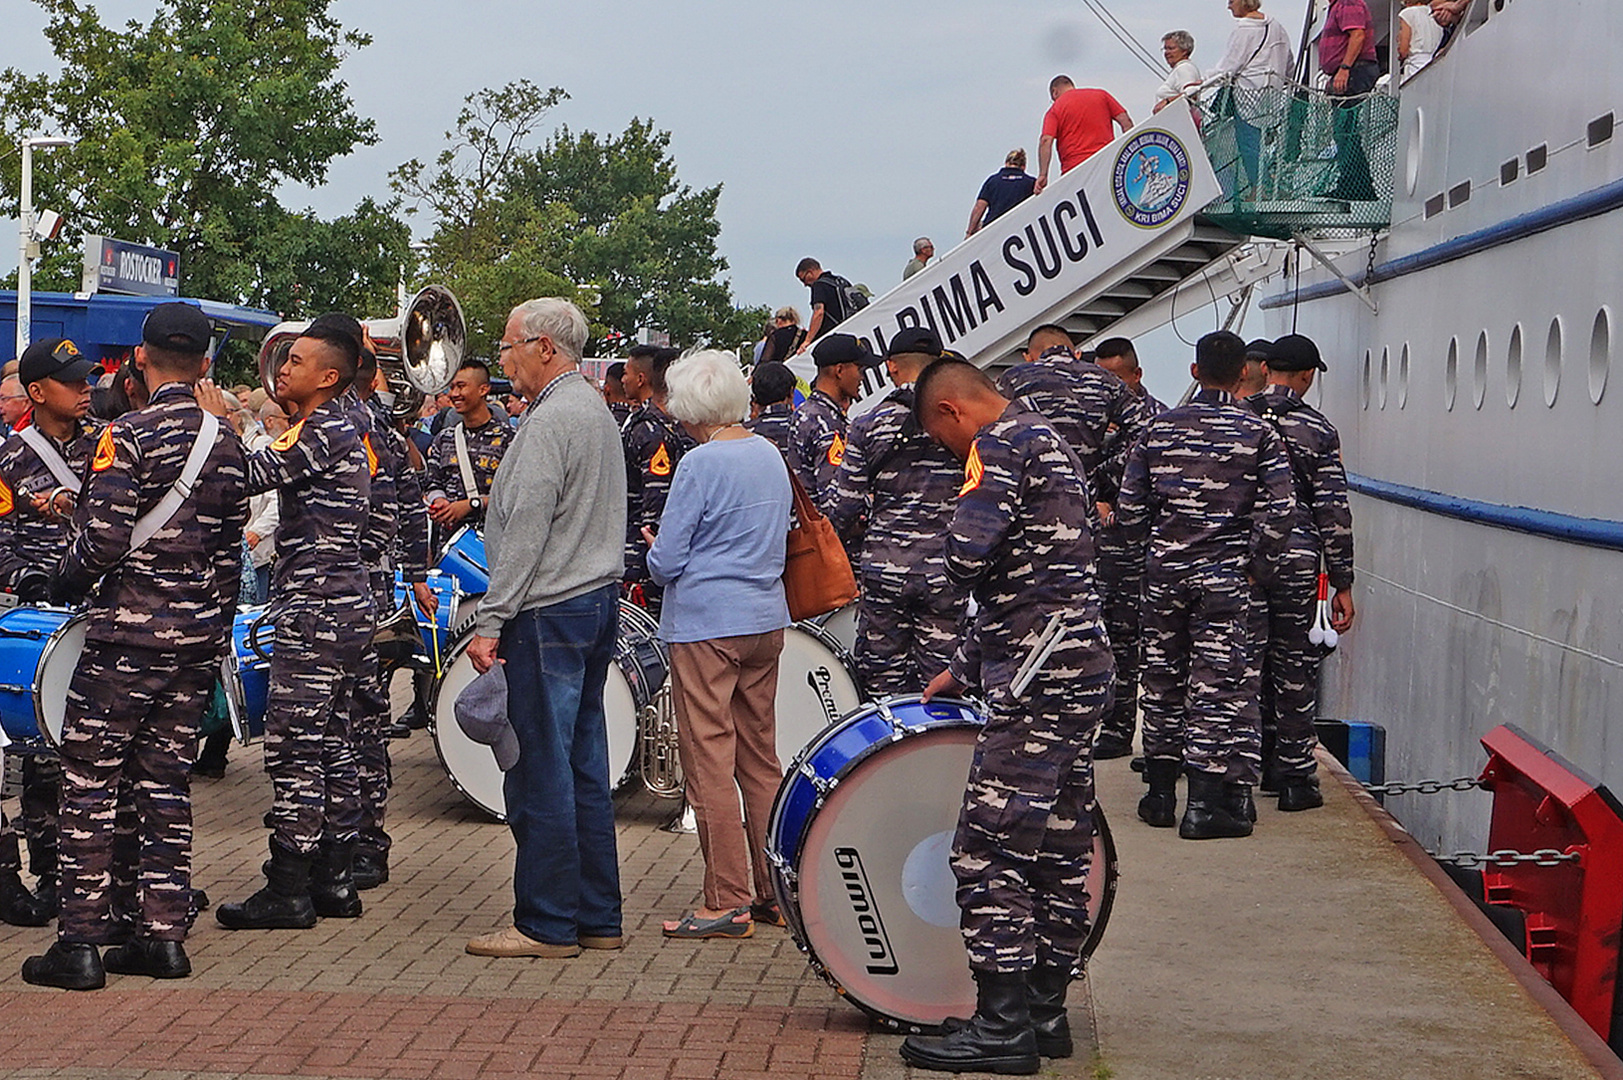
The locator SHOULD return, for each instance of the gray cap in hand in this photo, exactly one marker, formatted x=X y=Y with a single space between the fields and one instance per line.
x=481 y=711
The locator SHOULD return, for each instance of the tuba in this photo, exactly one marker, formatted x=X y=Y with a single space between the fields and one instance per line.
x=418 y=351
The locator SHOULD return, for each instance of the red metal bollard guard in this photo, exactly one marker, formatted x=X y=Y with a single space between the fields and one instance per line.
x=1574 y=910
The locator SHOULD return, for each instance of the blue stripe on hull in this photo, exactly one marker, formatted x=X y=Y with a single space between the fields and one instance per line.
x=1589 y=532
x=1590 y=204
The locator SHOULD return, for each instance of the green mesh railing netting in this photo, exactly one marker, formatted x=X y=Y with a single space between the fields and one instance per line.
x=1294 y=160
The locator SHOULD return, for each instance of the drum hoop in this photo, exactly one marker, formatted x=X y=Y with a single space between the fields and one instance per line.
x=639 y=616
x=52 y=644
x=823 y=637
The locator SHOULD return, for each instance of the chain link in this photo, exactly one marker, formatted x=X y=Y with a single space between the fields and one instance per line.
x=1542 y=857
x=1424 y=787
x=1369 y=271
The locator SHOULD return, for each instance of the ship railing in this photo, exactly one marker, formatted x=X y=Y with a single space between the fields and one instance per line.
x=1294 y=160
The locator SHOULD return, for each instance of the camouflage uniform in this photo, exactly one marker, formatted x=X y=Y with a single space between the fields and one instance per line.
x=321 y=608
x=1322 y=524
x=773 y=424
x=159 y=623
x=29 y=539
x=486 y=445
x=904 y=486
x=654 y=443
x=1121 y=582
x=1207 y=494
x=817 y=446
x=1020 y=539
x=621 y=411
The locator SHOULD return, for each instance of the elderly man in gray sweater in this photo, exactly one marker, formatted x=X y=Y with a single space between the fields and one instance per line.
x=555 y=531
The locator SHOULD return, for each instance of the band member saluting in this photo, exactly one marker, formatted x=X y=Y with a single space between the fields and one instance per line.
x=41 y=473
x=322 y=612
x=1020 y=539
x=160 y=526
x=902 y=485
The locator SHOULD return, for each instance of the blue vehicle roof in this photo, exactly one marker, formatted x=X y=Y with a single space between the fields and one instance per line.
x=105 y=326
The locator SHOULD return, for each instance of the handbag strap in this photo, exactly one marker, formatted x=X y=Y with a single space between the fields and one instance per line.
x=805 y=509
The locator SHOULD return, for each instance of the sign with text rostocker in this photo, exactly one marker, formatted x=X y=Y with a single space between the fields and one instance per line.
x=118 y=266
x=1034 y=264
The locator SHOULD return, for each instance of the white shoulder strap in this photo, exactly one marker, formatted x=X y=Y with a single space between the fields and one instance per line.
x=48 y=453
x=163 y=513
x=464 y=462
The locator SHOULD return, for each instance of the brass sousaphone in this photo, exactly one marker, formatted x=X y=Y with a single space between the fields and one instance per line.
x=418 y=351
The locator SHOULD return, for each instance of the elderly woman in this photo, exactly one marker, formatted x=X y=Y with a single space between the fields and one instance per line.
x=1177 y=47
x=1258 y=60
x=785 y=337
x=719 y=555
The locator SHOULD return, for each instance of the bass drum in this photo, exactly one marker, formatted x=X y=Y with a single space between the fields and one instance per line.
x=638 y=671
x=817 y=684
x=841 y=625
x=859 y=845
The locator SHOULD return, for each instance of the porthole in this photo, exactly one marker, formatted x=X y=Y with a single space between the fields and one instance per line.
x=1552 y=362
x=1403 y=376
x=1417 y=144
x=1363 y=383
x=1600 y=354
x=1386 y=368
x=1513 y=367
x=1479 y=371
x=1451 y=375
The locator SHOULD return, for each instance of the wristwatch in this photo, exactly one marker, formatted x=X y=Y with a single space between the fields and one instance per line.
x=476 y=502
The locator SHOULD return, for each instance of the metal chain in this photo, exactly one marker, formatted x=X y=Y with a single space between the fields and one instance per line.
x=1424 y=787
x=1369 y=270
x=1542 y=857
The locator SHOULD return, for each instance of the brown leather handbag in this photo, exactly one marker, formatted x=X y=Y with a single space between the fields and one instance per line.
x=817 y=576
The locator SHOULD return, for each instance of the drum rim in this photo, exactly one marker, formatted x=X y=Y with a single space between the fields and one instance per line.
x=841 y=653
x=52 y=643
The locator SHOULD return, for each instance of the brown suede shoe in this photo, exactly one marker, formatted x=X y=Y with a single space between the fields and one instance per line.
x=514 y=942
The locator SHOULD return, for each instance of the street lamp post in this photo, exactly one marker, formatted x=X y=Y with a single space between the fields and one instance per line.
x=27 y=248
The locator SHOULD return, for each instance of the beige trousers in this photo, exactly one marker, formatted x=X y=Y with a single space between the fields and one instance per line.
x=725 y=693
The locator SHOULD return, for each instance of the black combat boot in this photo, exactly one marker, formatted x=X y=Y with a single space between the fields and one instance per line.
x=18 y=906
x=997 y=1039
x=1270 y=764
x=1240 y=802
x=66 y=966
x=1159 y=806
x=371 y=869
x=1110 y=745
x=1045 y=991
x=1299 y=793
x=332 y=881
x=284 y=902
x=1208 y=817
x=144 y=956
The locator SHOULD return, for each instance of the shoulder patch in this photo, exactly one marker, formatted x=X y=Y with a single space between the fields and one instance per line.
x=660 y=463
x=836 y=450
x=286 y=439
x=371 y=455
x=973 y=470
x=7 y=501
x=105 y=451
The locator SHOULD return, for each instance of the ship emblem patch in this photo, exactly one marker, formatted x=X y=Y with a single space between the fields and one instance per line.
x=973 y=470
x=1151 y=179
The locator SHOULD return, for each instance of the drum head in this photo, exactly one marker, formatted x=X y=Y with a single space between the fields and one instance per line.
x=816 y=687
x=472 y=765
x=841 y=625
x=56 y=666
x=876 y=890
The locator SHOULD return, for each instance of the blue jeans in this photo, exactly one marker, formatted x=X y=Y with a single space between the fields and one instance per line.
x=566 y=882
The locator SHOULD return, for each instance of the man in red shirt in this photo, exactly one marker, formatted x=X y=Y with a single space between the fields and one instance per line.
x=1080 y=122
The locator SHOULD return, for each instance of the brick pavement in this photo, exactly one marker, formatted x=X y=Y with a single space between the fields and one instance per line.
x=393 y=994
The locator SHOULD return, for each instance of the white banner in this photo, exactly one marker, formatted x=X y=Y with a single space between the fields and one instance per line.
x=1035 y=263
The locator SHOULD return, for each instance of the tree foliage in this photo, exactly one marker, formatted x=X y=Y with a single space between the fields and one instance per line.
x=604 y=219
x=187 y=126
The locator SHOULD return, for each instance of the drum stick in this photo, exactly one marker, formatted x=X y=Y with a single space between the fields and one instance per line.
x=1050 y=640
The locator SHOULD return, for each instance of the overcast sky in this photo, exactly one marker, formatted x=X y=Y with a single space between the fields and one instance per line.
x=840 y=130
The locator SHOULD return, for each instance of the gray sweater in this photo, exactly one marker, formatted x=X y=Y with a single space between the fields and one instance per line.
x=556 y=524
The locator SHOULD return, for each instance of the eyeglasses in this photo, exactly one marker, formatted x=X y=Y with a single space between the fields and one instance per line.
x=502 y=347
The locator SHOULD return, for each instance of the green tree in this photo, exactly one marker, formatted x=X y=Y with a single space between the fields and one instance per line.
x=186 y=127
x=605 y=219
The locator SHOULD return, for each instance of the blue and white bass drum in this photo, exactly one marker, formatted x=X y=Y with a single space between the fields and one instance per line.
x=859 y=844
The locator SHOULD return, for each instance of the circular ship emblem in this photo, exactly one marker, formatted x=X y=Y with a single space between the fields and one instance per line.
x=1152 y=179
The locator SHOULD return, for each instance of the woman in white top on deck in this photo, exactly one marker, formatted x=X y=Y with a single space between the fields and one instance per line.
x=1419 y=36
x=1258 y=60
x=1177 y=47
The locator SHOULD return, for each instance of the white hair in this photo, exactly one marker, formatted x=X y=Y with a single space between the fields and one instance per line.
x=707 y=388
x=920 y=244
x=557 y=319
